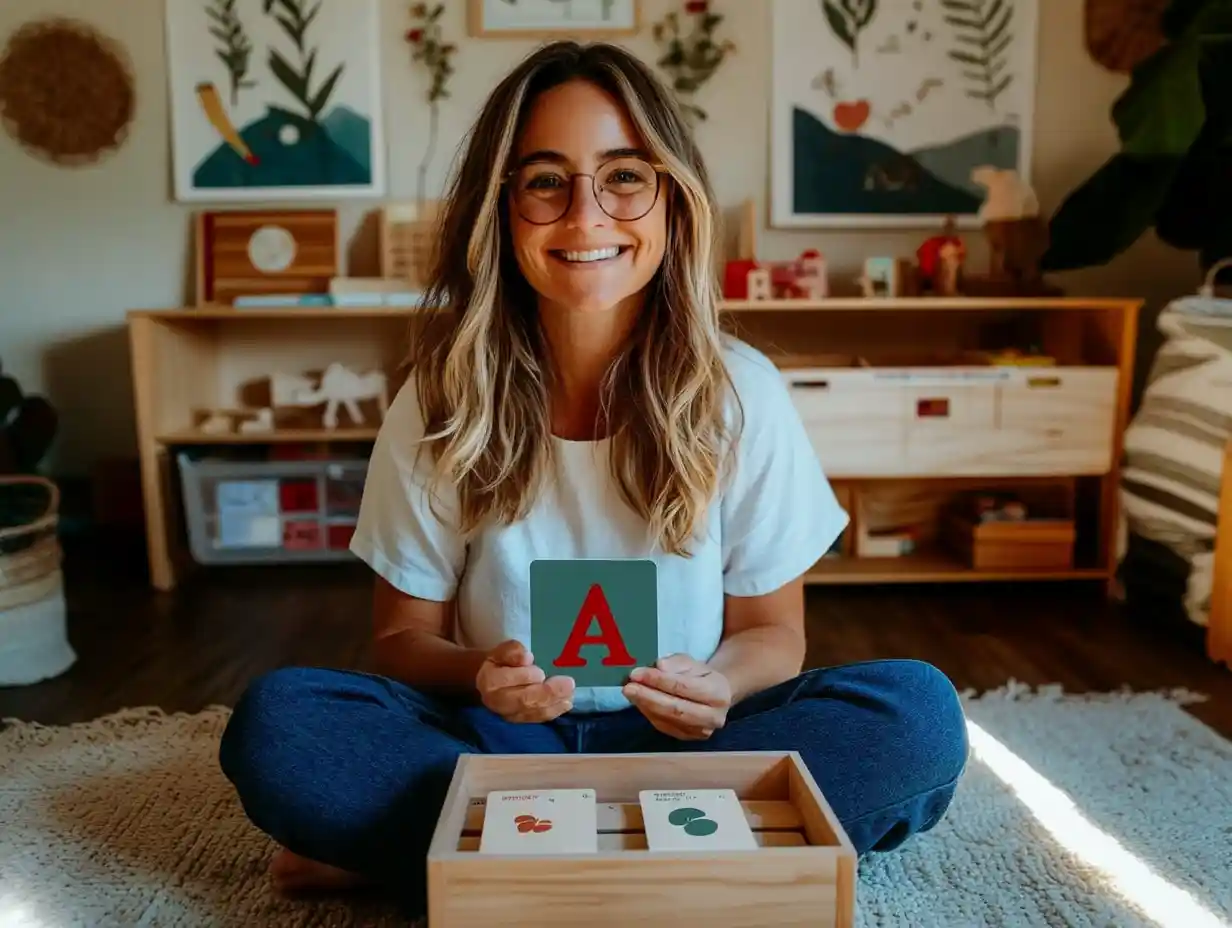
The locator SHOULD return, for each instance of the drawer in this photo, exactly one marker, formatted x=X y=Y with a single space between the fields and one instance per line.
x=949 y=426
x=1059 y=420
x=857 y=426
x=958 y=422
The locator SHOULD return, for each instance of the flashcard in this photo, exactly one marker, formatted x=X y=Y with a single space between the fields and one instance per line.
x=594 y=620
x=695 y=819
x=549 y=821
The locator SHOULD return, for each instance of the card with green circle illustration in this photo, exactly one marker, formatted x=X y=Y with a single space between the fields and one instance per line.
x=594 y=619
x=695 y=819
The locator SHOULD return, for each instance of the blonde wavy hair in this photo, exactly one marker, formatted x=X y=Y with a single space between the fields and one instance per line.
x=482 y=369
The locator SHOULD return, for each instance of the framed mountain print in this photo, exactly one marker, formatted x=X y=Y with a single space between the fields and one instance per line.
x=275 y=99
x=884 y=111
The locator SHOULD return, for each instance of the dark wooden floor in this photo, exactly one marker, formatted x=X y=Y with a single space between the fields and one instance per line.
x=200 y=644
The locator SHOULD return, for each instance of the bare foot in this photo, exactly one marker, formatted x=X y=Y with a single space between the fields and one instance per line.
x=292 y=873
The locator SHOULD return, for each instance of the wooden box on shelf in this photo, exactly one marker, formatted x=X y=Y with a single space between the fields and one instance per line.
x=803 y=873
x=1042 y=538
x=246 y=252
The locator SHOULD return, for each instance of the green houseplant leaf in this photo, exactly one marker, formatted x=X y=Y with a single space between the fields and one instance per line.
x=1173 y=172
x=1161 y=112
x=1109 y=212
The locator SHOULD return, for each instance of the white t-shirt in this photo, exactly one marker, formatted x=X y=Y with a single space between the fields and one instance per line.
x=771 y=522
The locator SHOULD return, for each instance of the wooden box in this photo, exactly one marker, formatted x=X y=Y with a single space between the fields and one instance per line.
x=1044 y=541
x=248 y=252
x=803 y=873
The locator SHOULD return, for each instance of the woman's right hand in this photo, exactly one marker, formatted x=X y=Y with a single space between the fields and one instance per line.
x=510 y=685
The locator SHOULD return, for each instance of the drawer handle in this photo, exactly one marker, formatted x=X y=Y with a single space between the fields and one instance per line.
x=1033 y=382
x=812 y=384
x=933 y=408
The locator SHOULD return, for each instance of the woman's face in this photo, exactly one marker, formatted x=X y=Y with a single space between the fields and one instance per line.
x=585 y=260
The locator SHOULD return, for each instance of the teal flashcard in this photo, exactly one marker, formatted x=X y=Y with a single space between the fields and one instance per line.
x=594 y=620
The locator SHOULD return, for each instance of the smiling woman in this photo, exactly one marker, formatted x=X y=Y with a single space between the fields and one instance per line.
x=553 y=240
x=576 y=401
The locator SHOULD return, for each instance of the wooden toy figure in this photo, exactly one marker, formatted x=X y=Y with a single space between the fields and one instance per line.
x=949 y=269
x=812 y=281
x=1017 y=235
x=940 y=260
x=759 y=284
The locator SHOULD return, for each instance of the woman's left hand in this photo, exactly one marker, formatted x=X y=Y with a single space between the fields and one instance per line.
x=681 y=697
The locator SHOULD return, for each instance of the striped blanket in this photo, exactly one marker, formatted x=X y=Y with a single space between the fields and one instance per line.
x=1174 y=445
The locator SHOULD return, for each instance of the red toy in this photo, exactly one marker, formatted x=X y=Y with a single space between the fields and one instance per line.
x=930 y=253
x=802 y=279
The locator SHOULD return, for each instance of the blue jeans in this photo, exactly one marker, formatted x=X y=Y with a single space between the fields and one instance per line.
x=351 y=769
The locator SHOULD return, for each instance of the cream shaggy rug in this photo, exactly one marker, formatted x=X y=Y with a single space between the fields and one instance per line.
x=1113 y=810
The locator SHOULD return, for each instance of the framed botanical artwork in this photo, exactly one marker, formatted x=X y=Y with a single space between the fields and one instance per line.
x=883 y=111
x=553 y=18
x=275 y=99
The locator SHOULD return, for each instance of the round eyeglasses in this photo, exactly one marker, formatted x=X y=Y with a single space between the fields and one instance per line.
x=625 y=188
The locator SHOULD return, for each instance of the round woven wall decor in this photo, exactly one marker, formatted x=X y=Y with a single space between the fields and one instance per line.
x=66 y=91
x=1121 y=34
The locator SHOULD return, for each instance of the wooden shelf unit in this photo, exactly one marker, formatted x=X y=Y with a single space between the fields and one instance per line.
x=186 y=361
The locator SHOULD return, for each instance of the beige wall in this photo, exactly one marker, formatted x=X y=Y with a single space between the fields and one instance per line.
x=80 y=247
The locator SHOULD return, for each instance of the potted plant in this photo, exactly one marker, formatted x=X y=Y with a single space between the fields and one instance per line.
x=27 y=428
x=1173 y=170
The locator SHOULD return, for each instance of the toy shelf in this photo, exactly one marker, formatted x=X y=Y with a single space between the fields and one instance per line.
x=912 y=404
x=190 y=363
x=871 y=439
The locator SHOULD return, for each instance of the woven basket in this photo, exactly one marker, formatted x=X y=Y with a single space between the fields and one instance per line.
x=30 y=553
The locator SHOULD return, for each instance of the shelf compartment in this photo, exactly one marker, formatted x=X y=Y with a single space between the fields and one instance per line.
x=245 y=511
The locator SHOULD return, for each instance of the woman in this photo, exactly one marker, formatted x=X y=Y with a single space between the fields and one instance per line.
x=577 y=400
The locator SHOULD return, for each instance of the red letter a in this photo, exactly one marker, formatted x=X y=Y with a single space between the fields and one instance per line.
x=595 y=607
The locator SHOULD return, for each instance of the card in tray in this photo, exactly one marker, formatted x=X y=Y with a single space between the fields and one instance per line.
x=695 y=819
x=548 y=821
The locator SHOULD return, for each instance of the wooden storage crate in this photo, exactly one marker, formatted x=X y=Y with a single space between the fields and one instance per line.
x=803 y=873
x=1043 y=541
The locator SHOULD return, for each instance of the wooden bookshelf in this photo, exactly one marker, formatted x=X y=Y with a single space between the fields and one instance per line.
x=187 y=360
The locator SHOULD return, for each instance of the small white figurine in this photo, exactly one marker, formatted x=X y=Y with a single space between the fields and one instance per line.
x=262 y=421
x=1008 y=197
x=341 y=386
x=216 y=424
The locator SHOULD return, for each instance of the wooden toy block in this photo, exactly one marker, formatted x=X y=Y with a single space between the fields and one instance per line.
x=803 y=872
x=759 y=284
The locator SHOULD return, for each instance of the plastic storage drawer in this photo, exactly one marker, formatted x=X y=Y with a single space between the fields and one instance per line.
x=250 y=512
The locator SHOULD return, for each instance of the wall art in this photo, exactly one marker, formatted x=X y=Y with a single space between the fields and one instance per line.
x=275 y=99
x=67 y=92
x=553 y=18
x=883 y=109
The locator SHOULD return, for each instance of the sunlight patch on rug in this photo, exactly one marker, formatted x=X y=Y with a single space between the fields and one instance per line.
x=1111 y=809
x=1168 y=905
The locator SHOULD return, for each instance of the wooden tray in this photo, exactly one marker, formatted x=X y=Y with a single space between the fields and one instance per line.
x=803 y=873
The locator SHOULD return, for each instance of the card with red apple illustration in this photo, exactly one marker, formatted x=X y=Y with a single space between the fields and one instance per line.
x=548 y=821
